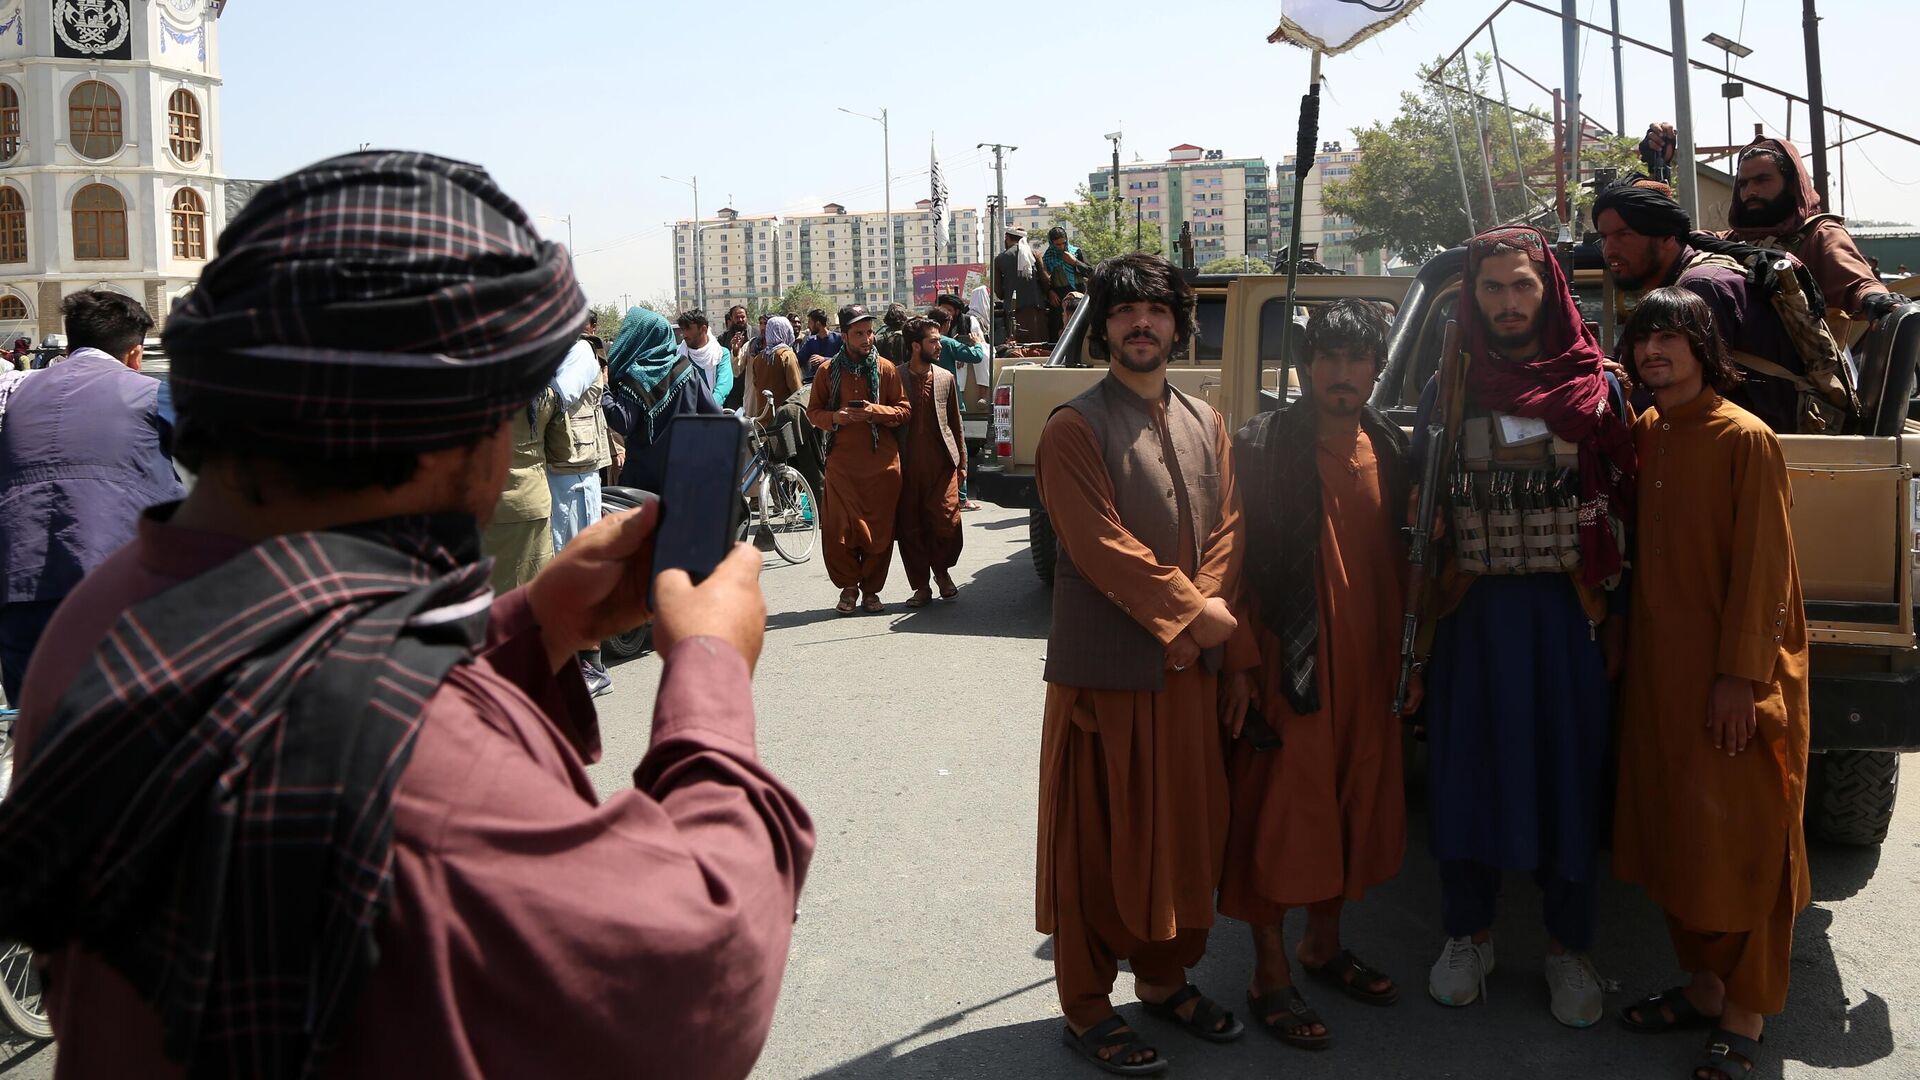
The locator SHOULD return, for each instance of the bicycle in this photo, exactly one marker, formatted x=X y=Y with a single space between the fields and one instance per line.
x=23 y=1007
x=780 y=501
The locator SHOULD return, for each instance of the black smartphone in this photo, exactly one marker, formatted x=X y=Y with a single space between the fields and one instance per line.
x=1259 y=732
x=858 y=404
x=700 y=504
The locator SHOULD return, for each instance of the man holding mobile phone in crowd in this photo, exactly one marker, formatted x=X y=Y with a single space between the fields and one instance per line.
x=1138 y=479
x=860 y=403
x=360 y=824
x=1321 y=822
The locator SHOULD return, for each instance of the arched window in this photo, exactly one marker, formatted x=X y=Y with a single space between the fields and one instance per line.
x=12 y=309
x=13 y=226
x=99 y=223
x=189 y=225
x=183 y=125
x=93 y=120
x=9 y=122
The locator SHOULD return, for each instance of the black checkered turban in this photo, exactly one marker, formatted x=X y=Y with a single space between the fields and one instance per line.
x=373 y=303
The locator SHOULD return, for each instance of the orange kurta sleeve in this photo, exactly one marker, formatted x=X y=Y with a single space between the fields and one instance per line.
x=1218 y=572
x=1755 y=615
x=817 y=411
x=893 y=409
x=1077 y=493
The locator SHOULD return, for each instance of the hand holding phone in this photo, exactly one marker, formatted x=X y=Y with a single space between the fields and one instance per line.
x=701 y=508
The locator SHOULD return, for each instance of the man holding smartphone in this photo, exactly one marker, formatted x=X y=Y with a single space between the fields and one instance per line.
x=1321 y=820
x=1138 y=479
x=357 y=834
x=860 y=403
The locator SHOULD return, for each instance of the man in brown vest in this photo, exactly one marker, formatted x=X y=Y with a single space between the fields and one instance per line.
x=933 y=466
x=1138 y=480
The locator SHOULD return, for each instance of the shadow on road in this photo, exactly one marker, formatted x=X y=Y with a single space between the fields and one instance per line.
x=1001 y=1051
x=14 y=1054
x=1002 y=599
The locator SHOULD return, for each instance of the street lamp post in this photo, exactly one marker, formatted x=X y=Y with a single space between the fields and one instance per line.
x=1732 y=88
x=699 y=271
x=886 y=164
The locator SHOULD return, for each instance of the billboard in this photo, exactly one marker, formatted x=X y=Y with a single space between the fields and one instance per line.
x=931 y=281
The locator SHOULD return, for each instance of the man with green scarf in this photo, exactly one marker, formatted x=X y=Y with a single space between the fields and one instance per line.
x=859 y=402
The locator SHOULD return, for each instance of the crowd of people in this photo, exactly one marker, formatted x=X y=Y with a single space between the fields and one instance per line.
x=355 y=829
x=1256 y=582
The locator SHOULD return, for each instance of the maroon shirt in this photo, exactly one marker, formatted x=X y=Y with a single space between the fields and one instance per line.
x=535 y=931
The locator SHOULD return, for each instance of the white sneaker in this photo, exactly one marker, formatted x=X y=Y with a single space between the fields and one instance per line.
x=1459 y=977
x=1575 y=989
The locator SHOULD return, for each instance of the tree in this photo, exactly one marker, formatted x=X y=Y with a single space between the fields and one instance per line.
x=803 y=298
x=610 y=317
x=1237 y=264
x=1090 y=222
x=1404 y=192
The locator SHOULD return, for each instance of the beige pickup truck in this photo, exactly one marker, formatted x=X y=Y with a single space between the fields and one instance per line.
x=1856 y=501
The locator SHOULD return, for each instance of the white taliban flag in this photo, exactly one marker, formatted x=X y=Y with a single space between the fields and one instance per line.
x=1334 y=26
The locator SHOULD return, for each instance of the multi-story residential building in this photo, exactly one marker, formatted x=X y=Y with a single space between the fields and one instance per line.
x=111 y=174
x=753 y=260
x=1329 y=236
x=1036 y=217
x=1225 y=201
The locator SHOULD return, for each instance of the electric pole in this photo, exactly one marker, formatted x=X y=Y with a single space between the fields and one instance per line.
x=1686 y=176
x=1816 y=99
x=1000 y=151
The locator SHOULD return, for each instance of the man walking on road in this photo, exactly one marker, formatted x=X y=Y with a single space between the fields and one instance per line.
x=83 y=451
x=1320 y=818
x=355 y=835
x=933 y=468
x=1713 y=718
x=1519 y=695
x=1138 y=480
x=861 y=405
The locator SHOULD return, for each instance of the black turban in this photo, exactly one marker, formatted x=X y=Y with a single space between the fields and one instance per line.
x=373 y=303
x=1649 y=211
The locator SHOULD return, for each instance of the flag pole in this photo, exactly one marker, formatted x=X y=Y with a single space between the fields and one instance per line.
x=1303 y=154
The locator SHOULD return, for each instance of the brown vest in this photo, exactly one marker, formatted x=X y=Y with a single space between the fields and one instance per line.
x=1093 y=643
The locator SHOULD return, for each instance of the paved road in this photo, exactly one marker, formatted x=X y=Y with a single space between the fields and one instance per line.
x=914 y=738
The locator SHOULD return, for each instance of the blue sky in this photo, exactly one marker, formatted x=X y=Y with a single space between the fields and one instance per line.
x=578 y=108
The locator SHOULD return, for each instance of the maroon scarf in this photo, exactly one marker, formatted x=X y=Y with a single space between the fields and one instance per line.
x=1567 y=387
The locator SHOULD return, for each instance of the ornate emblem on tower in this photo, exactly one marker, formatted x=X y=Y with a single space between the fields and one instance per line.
x=92 y=28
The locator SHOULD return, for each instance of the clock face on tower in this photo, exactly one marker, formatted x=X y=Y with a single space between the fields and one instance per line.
x=92 y=29
x=186 y=9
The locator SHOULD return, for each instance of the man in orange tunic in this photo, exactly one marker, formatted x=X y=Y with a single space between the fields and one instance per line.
x=1713 y=719
x=1138 y=480
x=933 y=465
x=1320 y=818
x=859 y=404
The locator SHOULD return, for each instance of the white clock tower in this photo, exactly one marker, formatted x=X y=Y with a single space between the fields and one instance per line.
x=110 y=168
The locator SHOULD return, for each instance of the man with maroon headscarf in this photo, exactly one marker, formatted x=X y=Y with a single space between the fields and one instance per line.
x=1774 y=205
x=1519 y=696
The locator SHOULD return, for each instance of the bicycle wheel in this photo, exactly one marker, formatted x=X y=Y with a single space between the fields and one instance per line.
x=793 y=516
x=23 y=1008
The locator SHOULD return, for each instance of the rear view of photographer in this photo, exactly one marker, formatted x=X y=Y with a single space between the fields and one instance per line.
x=373 y=849
x=83 y=451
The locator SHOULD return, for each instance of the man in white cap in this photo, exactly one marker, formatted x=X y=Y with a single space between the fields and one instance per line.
x=1020 y=284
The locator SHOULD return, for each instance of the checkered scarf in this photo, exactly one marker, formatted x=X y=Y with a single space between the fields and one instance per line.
x=211 y=809
x=1278 y=472
x=373 y=303
x=867 y=369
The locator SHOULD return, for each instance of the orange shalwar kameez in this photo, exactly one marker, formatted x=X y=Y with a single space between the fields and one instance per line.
x=1133 y=785
x=928 y=523
x=863 y=480
x=1715 y=839
x=1325 y=815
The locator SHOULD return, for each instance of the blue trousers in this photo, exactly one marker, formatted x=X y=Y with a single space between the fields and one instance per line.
x=21 y=624
x=1469 y=892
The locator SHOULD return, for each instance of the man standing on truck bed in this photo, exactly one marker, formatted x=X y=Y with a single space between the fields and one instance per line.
x=1518 y=696
x=1322 y=818
x=1644 y=237
x=1138 y=479
x=1708 y=816
x=1020 y=284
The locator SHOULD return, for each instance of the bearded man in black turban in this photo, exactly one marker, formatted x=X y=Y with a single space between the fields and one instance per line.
x=297 y=795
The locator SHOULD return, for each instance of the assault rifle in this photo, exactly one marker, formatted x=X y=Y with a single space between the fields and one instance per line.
x=1433 y=475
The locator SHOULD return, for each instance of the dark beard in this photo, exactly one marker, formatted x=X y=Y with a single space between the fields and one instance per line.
x=1142 y=366
x=1515 y=343
x=1778 y=209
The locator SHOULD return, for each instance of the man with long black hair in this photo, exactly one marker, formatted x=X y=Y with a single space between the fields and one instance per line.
x=1138 y=480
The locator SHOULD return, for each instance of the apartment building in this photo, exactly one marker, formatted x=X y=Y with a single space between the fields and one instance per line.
x=1227 y=202
x=753 y=260
x=1329 y=236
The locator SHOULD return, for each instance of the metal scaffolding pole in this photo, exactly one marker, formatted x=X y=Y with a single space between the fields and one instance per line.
x=1500 y=68
x=1459 y=166
x=1685 y=175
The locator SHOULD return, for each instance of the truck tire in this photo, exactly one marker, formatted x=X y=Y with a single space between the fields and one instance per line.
x=1041 y=543
x=1850 y=795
